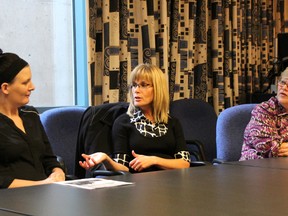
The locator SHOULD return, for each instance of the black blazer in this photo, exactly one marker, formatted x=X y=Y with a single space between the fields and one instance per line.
x=95 y=131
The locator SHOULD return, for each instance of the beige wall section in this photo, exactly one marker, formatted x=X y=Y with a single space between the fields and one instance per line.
x=40 y=31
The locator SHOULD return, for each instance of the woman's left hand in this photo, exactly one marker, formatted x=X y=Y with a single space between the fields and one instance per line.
x=141 y=162
x=93 y=160
x=57 y=175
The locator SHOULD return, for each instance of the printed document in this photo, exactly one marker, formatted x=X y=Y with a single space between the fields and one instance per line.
x=94 y=183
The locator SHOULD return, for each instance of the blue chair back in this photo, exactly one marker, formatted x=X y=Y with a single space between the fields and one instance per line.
x=61 y=125
x=231 y=124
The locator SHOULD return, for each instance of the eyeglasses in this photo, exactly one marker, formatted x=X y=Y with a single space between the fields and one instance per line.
x=283 y=83
x=141 y=85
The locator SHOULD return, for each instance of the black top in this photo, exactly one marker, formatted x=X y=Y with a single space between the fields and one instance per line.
x=24 y=156
x=126 y=138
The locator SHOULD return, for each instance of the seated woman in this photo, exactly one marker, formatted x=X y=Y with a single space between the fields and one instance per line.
x=26 y=157
x=266 y=135
x=145 y=138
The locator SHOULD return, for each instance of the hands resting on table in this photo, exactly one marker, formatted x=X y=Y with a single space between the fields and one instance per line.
x=57 y=175
x=139 y=163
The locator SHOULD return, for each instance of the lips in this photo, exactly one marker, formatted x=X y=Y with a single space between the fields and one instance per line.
x=137 y=99
x=282 y=93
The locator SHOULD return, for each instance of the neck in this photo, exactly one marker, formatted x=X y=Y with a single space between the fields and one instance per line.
x=149 y=115
x=8 y=110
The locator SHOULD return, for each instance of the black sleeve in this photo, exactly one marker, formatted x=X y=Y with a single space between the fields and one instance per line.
x=120 y=135
x=49 y=159
x=5 y=181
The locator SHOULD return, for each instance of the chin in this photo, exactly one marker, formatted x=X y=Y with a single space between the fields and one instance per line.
x=25 y=102
x=137 y=104
x=283 y=102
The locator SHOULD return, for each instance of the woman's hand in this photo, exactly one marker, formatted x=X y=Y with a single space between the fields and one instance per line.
x=57 y=175
x=92 y=160
x=141 y=162
x=283 y=150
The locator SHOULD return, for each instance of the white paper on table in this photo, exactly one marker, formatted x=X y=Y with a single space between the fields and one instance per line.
x=94 y=183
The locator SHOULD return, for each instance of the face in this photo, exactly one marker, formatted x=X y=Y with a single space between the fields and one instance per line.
x=282 y=93
x=19 y=90
x=143 y=95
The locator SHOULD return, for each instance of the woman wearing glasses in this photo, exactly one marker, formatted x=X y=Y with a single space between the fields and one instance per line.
x=146 y=138
x=266 y=135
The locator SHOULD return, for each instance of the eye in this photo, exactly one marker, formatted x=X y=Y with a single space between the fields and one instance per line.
x=144 y=85
x=141 y=85
x=26 y=82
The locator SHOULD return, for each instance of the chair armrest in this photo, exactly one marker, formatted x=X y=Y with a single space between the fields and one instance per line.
x=217 y=161
x=196 y=155
x=63 y=166
x=197 y=163
x=200 y=148
x=97 y=173
x=100 y=170
x=62 y=163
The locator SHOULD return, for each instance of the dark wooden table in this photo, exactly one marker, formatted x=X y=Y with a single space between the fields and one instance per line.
x=209 y=190
x=272 y=163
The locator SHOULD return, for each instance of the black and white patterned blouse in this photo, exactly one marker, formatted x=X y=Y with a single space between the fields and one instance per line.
x=139 y=134
x=146 y=127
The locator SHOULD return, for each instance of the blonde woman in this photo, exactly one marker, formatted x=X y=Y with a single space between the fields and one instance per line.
x=146 y=138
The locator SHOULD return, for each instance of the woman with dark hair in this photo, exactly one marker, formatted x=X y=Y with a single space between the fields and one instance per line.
x=145 y=138
x=26 y=157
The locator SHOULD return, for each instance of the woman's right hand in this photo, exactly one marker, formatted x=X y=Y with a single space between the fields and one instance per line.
x=283 y=150
x=92 y=160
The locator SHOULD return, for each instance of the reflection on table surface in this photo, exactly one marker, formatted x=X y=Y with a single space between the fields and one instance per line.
x=227 y=189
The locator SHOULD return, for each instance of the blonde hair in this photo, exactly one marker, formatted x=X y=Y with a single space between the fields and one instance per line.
x=155 y=75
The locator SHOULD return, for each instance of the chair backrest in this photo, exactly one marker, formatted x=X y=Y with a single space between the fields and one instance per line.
x=198 y=119
x=230 y=128
x=61 y=126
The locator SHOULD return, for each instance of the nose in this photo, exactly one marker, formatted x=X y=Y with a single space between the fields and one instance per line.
x=32 y=87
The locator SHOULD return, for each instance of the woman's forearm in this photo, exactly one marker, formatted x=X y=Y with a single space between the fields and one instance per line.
x=171 y=163
x=24 y=183
x=110 y=164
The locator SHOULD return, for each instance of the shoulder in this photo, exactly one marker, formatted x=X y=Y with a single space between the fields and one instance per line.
x=30 y=110
x=122 y=122
x=270 y=107
x=123 y=118
x=173 y=121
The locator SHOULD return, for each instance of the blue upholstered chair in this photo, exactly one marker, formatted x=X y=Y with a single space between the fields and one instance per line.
x=198 y=119
x=230 y=128
x=61 y=125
